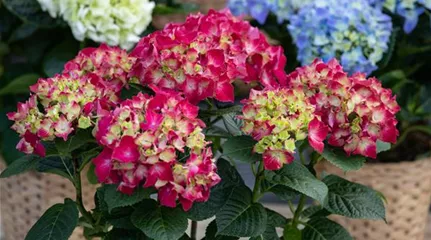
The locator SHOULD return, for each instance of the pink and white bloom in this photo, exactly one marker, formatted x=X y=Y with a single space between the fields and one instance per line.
x=143 y=140
x=203 y=56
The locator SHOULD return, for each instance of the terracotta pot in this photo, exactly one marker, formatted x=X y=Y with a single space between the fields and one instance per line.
x=407 y=189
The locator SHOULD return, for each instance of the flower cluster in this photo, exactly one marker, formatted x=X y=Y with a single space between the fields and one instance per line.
x=111 y=63
x=260 y=10
x=410 y=10
x=204 y=55
x=145 y=141
x=69 y=100
x=111 y=22
x=320 y=100
x=353 y=31
x=357 y=111
x=277 y=119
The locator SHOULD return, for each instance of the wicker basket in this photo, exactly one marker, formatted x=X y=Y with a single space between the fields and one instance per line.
x=407 y=188
x=25 y=197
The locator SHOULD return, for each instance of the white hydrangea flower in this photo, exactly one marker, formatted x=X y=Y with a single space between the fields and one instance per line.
x=115 y=22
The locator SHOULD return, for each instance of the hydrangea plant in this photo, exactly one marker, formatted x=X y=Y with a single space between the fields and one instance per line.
x=354 y=32
x=149 y=131
x=103 y=21
x=260 y=10
x=408 y=9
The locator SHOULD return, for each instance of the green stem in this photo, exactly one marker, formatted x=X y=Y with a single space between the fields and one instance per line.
x=193 y=230
x=291 y=207
x=257 y=183
x=78 y=187
x=298 y=211
x=220 y=112
x=301 y=156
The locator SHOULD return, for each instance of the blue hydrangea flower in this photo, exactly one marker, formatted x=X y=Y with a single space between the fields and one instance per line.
x=260 y=9
x=410 y=10
x=352 y=31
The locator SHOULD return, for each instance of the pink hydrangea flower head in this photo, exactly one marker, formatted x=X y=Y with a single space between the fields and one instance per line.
x=205 y=55
x=156 y=141
x=113 y=64
x=277 y=118
x=355 y=111
x=66 y=102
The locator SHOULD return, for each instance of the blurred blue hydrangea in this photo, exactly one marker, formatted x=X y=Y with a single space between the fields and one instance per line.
x=410 y=10
x=260 y=9
x=352 y=31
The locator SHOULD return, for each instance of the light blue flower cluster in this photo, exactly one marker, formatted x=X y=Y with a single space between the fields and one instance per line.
x=410 y=10
x=260 y=9
x=352 y=31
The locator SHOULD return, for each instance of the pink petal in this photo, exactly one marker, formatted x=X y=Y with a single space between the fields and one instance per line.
x=317 y=132
x=152 y=121
x=215 y=57
x=126 y=151
x=225 y=92
x=103 y=164
x=366 y=147
x=274 y=159
x=188 y=109
x=186 y=204
x=168 y=196
x=389 y=133
x=124 y=188
x=159 y=171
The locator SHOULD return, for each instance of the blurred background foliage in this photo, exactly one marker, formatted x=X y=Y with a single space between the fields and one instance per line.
x=33 y=45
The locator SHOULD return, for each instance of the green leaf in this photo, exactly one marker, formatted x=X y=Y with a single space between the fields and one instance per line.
x=230 y=179
x=216 y=132
x=297 y=177
x=382 y=146
x=160 y=222
x=342 y=161
x=23 y=31
x=80 y=138
x=282 y=192
x=30 y=11
x=8 y=148
x=274 y=220
x=240 y=217
x=54 y=61
x=20 y=84
x=115 y=198
x=122 y=234
x=353 y=200
x=120 y=218
x=23 y=164
x=211 y=233
x=91 y=175
x=232 y=123
x=57 y=223
x=292 y=233
x=87 y=156
x=4 y=49
x=315 y=211
x=241 y=148
x=62 y=166
x=324 y=229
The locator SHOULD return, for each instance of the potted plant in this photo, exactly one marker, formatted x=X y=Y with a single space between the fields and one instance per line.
x=146 y=122
x=399 y=58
